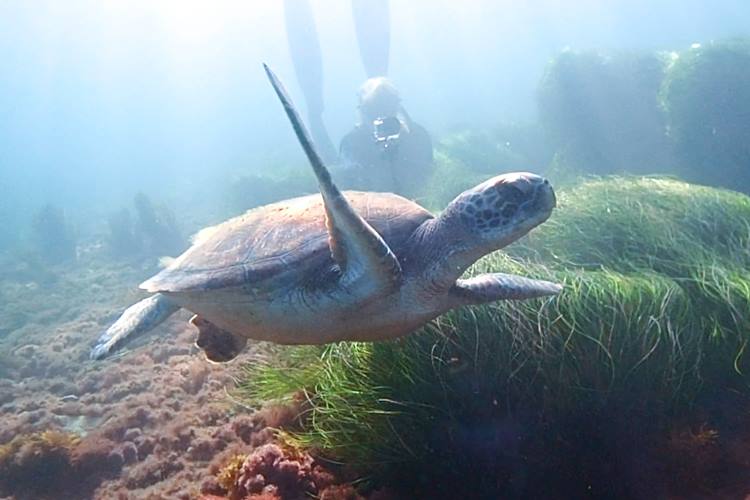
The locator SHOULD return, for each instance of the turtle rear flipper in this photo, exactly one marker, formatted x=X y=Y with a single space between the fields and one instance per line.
x=217 y=344
x=136 y=320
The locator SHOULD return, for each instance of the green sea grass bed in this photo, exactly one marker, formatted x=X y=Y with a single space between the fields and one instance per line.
x=632 y=383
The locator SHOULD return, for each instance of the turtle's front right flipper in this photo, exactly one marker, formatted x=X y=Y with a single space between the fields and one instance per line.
x=357 y=248
x=136 y=320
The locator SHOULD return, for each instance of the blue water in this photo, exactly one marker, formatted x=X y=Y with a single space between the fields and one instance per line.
x=101 y=99
x=127 y=125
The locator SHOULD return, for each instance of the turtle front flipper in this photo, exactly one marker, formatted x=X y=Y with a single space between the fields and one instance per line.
x=498 y=286
x=217 y=344
x=357 y=248
x=136 y=320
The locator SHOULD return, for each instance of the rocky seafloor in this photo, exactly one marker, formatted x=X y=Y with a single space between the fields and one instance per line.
x=157 y=421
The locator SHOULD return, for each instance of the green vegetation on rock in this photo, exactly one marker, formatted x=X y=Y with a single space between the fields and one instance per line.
x=602 y=113
x=153 y=232
x=52 y=236
x=450 y=178
x=707 y=99
x=254 y=190
x=505 y=148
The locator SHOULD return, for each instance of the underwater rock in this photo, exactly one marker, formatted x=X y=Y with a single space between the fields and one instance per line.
x=158 y=228
x=152 y=471
x=602 y=114
x=129 y=452
x=507 y=147
x=250 y=191
x=272 y=470
x=12 y=320
x=52 y=236
x=707 y=100
x=195 y=375
x=28 y=457
x=123 y=240
x=153 y=233
x=121 y=403
x=53 y=464
x=449 y=178
x=27 y=268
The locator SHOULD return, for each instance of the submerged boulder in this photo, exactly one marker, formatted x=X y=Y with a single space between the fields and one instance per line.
x=707 y=98
x=601 y=111
x=52 y=236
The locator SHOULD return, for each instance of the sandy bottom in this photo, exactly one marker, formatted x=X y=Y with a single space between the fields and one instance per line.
x=155 y=422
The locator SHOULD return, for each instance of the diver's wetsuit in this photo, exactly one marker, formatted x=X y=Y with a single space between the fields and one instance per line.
x=401 y=168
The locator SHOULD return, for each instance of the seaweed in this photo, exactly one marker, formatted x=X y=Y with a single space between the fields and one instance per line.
x=32 y=465
x=10 y=235
x=157 y=227
x=506 y=147
x=254 y=190
x=123 y=240
x=229 y=474
x=707 y=99
x=601 y=111
x=496 y=398
x=52 y=237
x=153 y=232
x=25 y=265
x=449 y=178
x=55 y=464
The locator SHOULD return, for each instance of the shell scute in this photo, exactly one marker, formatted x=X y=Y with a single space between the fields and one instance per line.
x=280 y=242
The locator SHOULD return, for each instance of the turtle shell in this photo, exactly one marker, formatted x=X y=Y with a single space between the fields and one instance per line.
x=281 y=243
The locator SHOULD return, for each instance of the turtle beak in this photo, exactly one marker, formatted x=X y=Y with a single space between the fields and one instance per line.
x=545 y=196
x=539 y=193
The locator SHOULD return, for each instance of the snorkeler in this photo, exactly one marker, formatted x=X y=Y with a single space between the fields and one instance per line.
x=386 y=150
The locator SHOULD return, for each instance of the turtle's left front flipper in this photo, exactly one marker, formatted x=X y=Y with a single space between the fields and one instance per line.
x=498 y=286
x=136 y=320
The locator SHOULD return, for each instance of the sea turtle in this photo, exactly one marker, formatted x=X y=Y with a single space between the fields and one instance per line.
x=357 y=266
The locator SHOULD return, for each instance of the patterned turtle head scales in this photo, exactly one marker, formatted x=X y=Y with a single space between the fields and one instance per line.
x=502 y=209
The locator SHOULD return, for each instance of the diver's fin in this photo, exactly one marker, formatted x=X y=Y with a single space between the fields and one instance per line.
x=304 y=47
x=372 y=24
x=217 y=344
x=356 y=247
x=498 y=286
x=137 y=319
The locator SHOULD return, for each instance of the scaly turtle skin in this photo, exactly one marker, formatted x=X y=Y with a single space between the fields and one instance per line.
x=339 y=266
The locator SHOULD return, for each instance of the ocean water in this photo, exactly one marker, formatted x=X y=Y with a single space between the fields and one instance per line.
x=126 y=127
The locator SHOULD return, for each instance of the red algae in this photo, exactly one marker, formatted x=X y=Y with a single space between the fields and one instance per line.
x=154 y=422
x=275 y=471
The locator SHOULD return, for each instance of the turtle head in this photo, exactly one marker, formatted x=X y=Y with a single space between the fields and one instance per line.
x=479 y=221
x=499 y=211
